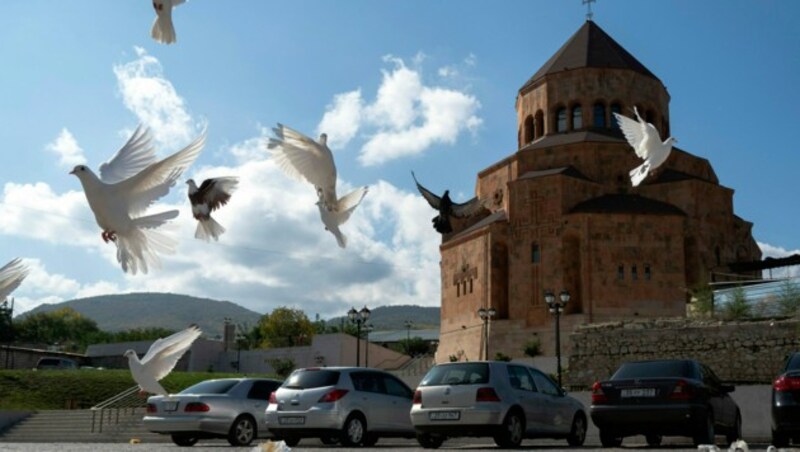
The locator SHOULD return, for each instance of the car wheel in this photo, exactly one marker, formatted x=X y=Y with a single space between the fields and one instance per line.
x=705 y=431
x=291 y=441
x=184 y=440
x=577 y=434
x=610 y=439
x=511 y=432
x=370 y=439
x=653 y=440
x=242 y=431
x=735 y=432
x=780 y=439
x=428 y=441
x=353 y=431
x=329 y=440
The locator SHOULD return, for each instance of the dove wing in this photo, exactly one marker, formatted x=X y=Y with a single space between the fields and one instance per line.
x=11 y=276
x=164 y=354
x=634 y=132
x=432 y=199
x=131 y=158
x=348 y=203
x=216 y=192
x=177 y=2
x=155 y=181
x=467 y=209
x=302 y=158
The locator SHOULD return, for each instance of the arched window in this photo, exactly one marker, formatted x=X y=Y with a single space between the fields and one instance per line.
x=529 y=134
x=599 y=115
x=539 y=124
x=561 y=119
x=577 y=117
x=615 y=108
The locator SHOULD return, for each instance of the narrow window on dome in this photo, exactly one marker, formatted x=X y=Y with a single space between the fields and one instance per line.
x=577 y=117
x=538 y=128
x=634 y=273
x=561 y=120
x=647 y=274
x=599 y=115
x=529 y=130
x=615 y=108
x=536 y=254
x=458 y=289
x=621 y=272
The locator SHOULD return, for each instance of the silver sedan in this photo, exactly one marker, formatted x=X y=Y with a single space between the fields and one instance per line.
x=230 y=408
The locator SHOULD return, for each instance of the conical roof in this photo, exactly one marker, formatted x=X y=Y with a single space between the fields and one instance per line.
x=590 y=46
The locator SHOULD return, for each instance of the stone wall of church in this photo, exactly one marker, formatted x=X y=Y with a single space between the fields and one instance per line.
x=740 y=352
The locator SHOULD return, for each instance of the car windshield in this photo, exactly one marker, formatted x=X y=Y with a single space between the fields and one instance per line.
x=211 y=387
x=655 y=369
x=311 y=378
x=794 y=362
x=457 y=374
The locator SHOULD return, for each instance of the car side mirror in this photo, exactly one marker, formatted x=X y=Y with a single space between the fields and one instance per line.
x=727 y=388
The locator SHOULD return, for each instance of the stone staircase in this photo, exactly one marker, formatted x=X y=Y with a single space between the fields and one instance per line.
x=82 y=426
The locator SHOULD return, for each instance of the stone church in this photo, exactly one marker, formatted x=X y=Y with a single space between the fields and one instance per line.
x=562 y=214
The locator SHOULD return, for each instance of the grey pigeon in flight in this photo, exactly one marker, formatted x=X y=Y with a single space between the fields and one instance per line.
x=304 y=159
x=211 y=195
x=163 y=31
x=160 y=359
x=447 y=207
x=645 y=140
x=128 y=184
x=11 y=276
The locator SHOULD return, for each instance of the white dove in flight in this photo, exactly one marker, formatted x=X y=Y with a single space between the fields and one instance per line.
x=163 y=31
x=128 y=183
x=11 y=276
x=160 y=359
x=211 y=195
x=645 y=140
x=302 y=158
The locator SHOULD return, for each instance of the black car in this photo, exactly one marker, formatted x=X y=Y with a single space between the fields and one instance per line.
x=675 y=397
x=786 y=404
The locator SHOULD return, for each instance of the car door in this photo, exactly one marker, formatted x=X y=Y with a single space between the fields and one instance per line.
x=370 y=390
x=258 y=399
x=721 y=402
x=533 y=403
x=557 y=416
x=400 y=397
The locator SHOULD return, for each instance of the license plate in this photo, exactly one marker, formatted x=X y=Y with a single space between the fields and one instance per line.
x=292 y=420
x=638 y=392
x=445 y=415
x=170 y=406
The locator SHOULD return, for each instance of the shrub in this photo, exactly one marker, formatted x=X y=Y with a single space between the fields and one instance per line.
x=282 y=366
x=789 y=298
x=737 y=308
x=500 y=356
x=532 y=348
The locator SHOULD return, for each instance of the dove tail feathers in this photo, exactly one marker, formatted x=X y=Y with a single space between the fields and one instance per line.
x=138 y=249
x=341 y=239
x=639 y=173
x=163 y=31
x=207 y=229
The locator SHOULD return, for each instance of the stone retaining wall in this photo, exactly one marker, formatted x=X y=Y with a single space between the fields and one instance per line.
x=739 y=352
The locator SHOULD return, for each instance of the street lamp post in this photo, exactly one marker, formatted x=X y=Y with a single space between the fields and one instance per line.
x=556 y=306
x=486 y=315
x=359 y=318
x=368 y=329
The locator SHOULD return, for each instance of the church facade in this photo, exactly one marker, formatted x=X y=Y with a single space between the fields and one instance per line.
x=562 y=214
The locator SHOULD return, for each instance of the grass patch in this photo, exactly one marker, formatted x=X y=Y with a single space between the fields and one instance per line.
x=60 y=389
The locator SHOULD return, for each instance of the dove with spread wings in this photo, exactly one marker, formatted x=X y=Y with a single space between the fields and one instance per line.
x=447 y=207
x=163 y=31
x=128 y=184
x=212 y=194
x=645 y=140
x=304 y=159
x=160 y=359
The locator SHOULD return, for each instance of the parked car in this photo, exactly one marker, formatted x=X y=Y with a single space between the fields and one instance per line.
x=51 y=363
x=505 y=400
x=352 y=405
x=673 y=397
x=231 y=408
x=786 y=404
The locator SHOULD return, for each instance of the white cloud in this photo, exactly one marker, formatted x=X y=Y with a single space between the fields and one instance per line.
x=406 y=118
x=153 y=99
x=67 y=149
x=776 y=251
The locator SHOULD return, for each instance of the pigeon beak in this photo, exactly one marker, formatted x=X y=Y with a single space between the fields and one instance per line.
x=72 y=172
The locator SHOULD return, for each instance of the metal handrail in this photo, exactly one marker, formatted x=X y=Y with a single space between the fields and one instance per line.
x=111 y=407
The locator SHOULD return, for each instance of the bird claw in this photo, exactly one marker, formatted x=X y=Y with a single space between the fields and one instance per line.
x=109 y=236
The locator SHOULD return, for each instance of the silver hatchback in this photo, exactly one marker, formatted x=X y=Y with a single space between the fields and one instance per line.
x=231 y=408
x=352 y=405
x=505 y=400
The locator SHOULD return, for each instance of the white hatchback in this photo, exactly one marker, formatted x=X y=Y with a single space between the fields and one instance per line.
x=504 y=400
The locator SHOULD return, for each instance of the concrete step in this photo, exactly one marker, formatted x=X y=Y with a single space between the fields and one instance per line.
x=69 y=426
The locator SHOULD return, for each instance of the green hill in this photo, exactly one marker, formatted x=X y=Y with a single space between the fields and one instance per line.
x=165 y=310
x=394 y=317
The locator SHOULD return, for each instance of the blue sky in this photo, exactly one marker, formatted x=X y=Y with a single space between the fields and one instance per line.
x=407 y=85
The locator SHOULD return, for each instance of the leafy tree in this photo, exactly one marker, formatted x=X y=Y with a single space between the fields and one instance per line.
x=65 y=326
x=789 y=298
x=6 y=325
x=703 y=295
x=285 y=327
x=737 y=308
x=282 y=366
x=414 y=346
